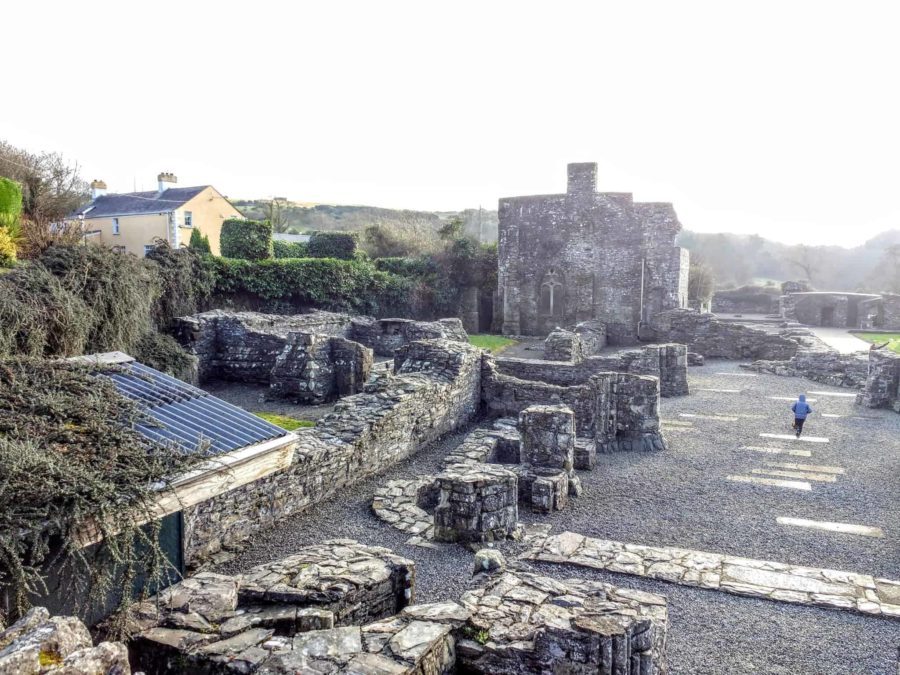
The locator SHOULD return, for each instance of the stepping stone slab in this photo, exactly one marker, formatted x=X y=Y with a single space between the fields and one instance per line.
x=843 y=528
x=774 y=482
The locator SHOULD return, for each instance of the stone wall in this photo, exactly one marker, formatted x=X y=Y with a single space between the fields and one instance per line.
x=706 y=335
x=585 y=255
x=882 y=312
x=243 y=346
x=748 y=300
x=619 y=410
x=882 y=387
x=817 y=362
x=60 y=645
x=436 y=390
x=386 y=335
x=818 y=308
x=316 y=368
x=668 y=362
x=593 y=336
x=563 y=345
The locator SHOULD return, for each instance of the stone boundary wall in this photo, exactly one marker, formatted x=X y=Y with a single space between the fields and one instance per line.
x=619 y=410
x=882 y=387
x=745 y=301
x=706 y=335
x=668 y=362
x=437 y=390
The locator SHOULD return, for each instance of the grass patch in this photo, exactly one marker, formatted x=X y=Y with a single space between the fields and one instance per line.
x=285 y=422
x=879 y=338
x=493 y=343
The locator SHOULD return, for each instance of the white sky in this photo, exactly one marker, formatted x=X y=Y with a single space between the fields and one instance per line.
x=777 y=118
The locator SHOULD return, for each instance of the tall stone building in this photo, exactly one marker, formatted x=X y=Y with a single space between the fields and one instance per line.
x=584 y=255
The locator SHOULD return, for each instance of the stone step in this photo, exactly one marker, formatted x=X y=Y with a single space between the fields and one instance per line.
x=807 y=467
x=802 y=475
x=773 y=482
x=790 y=398
x=792 y=437
x=777 y=451
x=839 y=394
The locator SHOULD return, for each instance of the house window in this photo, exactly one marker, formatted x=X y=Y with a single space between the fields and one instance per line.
x=188 y=219
x=148 y=248
x=115 y=226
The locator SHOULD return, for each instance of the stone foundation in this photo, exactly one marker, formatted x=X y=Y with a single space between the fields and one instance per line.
x=437 y=389
x=40 y=644
x=668 y=362
x=706 y=335
x=476 y=503
x=618 y=410
x=548 y=437
x=522 y=623
x=384 y=336
x=213 y=623
x=316 y=368
x=563 y=345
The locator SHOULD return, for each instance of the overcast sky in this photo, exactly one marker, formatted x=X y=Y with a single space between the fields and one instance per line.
x=777 y=118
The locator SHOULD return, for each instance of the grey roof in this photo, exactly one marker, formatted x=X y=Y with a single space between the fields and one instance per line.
x=133 y=203
x=296 y=238
x=186 y=415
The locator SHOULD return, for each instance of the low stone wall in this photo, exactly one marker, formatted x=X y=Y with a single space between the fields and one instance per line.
x=384 y=336
x=563 y=345
x=882 y=387
x=619 y=410
x=819 y=365
x=706 y=335
x=593 y=336
x=437 y=389
x=750 y=300
x=243 y=346
x=40 y=644
x=668 y=362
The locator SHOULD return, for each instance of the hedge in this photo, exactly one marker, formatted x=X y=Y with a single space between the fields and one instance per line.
x=407 y=267
x=246 y=239
x=290 y=249
x=340 y=245
x=346 y=285
x=199 y=242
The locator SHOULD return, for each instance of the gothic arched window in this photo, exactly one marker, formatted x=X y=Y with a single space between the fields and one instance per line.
x=552 y=294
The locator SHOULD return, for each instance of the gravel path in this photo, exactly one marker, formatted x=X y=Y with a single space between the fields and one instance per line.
x=682 y=498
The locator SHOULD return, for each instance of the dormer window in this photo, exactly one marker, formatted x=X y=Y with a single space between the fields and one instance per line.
x=188 y=219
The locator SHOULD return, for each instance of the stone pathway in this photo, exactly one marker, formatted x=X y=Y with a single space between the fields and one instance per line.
x=741 y=576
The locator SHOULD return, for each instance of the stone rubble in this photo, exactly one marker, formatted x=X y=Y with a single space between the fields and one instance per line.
x=60 y=645
x=524 y=623
x=741 y=576
x=218 y=623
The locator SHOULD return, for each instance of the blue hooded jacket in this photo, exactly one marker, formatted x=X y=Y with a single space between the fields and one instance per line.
x=801 y=408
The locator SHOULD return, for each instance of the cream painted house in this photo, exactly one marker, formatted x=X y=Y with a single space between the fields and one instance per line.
x=131 y=222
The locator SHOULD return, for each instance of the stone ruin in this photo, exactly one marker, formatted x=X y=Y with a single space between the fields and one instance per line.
x=882 y=387
x=38 y=644
x=341 y=607
x=310 y=358
x=586 y=255
x=476 y=503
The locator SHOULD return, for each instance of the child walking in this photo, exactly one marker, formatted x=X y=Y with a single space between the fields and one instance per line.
x=801 y=410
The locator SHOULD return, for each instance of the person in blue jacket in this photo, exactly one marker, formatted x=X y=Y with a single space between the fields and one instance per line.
x=801 y=411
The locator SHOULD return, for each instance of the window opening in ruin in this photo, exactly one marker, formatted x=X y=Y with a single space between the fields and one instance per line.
x=551 y=302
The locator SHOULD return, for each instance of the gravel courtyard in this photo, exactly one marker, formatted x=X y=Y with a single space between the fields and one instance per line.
x=684 y=497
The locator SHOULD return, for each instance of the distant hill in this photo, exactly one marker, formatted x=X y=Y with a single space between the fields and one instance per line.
x=735 y=259
x=302 y=217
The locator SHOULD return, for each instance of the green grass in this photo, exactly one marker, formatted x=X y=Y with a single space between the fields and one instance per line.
x=493 y=343
x=893 y=338
x=285 y=422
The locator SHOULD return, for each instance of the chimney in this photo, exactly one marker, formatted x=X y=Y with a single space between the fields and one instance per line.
x=166 y=180
x=582 y=178
x=98 y=188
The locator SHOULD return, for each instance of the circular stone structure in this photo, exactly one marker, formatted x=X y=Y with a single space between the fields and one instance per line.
x=476 y=503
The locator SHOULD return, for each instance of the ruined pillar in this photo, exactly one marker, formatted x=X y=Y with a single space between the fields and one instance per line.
x=476 y=503
x=548 y=436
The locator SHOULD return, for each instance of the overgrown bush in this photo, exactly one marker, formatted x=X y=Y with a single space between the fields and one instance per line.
x=340 y=245
x=70 y=459
x=7 y=248
x=246 y=239
x=199 y=242
x=186 y=281
x=10 y=202
x=290 y=249
x=162 y=352
x=120 y=292
x=320 y=282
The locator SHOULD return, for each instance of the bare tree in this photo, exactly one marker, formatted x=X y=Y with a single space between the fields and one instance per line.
x=807 y=260
x=275 y=213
